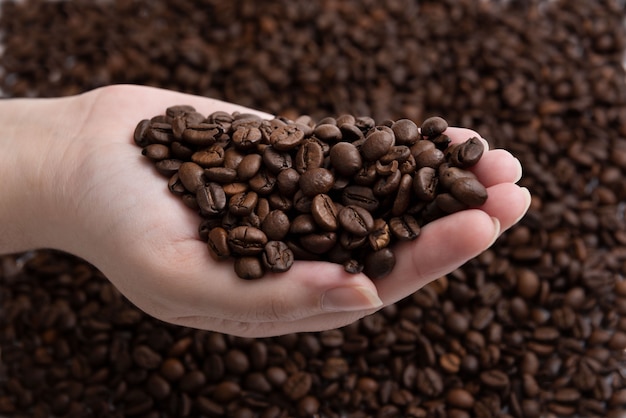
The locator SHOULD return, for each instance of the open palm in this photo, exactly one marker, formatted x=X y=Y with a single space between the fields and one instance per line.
x=122 y=218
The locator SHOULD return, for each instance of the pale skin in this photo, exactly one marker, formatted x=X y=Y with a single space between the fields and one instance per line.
x=73 y=180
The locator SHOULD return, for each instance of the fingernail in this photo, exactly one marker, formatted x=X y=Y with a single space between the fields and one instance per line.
x=528 y=202
x=343 y=299
x=485 y=143
x=518 y=175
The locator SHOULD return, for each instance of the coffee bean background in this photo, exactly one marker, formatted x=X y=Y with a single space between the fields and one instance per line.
x=535 y=326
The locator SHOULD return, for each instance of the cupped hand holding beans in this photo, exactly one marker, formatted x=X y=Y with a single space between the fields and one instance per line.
x=74 y=180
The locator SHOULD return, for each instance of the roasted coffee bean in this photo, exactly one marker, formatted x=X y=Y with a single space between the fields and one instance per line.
x=449 y=175
x=156 y=152
x=379 y=263
x=425 y=183
x=449 y=204
x=249 y=267
x=249 y=166
x=318 y=243
x=356 y=220
x=432 y=158
x=403 y=196
x=287 y=181
x=140 y=135
x=469 y=191
x=211 y=199
x=433 y=126
x=176 y=186
x=220 y=175
x=275 y=160
x=263 y=183
x=387 y=185
x=466 y=154
x=405 y=131
x=360 y=196
x=212 y=156
x=246 y=240
x=316 y=181
x=277 y=257
x=404 y=228
x=380 y=236
x=286 y=138
x=160 y=133
x=246 y=137
x=377 y=143
x=191 y=176
x=168 y=167
x=345 y=159
x=242 y=204
x=201 y=134
x=324 y=212
x=218 y=243
x=310 y=155
x=276 y=225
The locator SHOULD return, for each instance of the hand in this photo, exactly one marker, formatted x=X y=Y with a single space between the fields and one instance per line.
x=93 y=194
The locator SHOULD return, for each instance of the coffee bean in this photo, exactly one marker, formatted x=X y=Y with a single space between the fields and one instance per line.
x=248 y=267
x=379 y=263
x=377 y=143
x=212 y=156
x=346 y=159
x=201 y=134
x=433 y=126
x=404 y=228
x=277 y=257
x=218 y=243
x=469 y=191
x=316 y=181
x=356 y=220
x=310 y=155
x=405 y=131
x=360 y=196
x=276 y=225
x=191 y=176
x=211 y=199
x=288 y=181
x=156 y=152
x=242 y=204
x=286 y=138
x=425 y=183
x=246 y=240
x=324 y=212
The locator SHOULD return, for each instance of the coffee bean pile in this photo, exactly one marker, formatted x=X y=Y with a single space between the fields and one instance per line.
x=341 y=190
x=533 y=327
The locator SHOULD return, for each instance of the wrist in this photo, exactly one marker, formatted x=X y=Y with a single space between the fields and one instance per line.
x=34 y=180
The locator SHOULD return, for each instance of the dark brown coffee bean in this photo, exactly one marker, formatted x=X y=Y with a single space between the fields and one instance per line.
x=246 y=240
x=316 y=181
x=380 y=236
x=469 y=191
x=429 y=158
x=180 y=151
x=276 y=225
x=310 y=155
x=379 y=263
x=449 y=204
x=242 y=204
x=387 y=185
x=140 y=135
x=303 y=224
x=160 y=133
x=324 y=212
x=201 y=134
x=146 y=358
x=212 y=156
x=460 y=398
x=249 y=166
x=191 y=175
x=211 y=199
x=404 y=228
x=246 y=137
x=318 y=243
x=352 y=242
x=429 y=382
x=425 y=184
x=403 y=197
x=286 y=138
x=345 y=159
x=277 y=257
x=356 y=220
x=297 y=385
x=156 y=152
x=494 y=379
x=288 y=181
x=220 y=175
x=433 y=126
x=176 y=186
x=360 y=196
x=232 y=189
x=168 y=167
x=467 y=153
x=263 y=183
x=218 y=243
x=449 y=175
x=377 y=143
x=405 y=131
x=249 y=267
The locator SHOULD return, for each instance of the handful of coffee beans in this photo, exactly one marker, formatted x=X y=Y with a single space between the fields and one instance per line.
x=342 y=190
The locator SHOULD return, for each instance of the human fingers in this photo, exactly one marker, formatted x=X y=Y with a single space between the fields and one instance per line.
x=507 y=202
x=442 y=246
